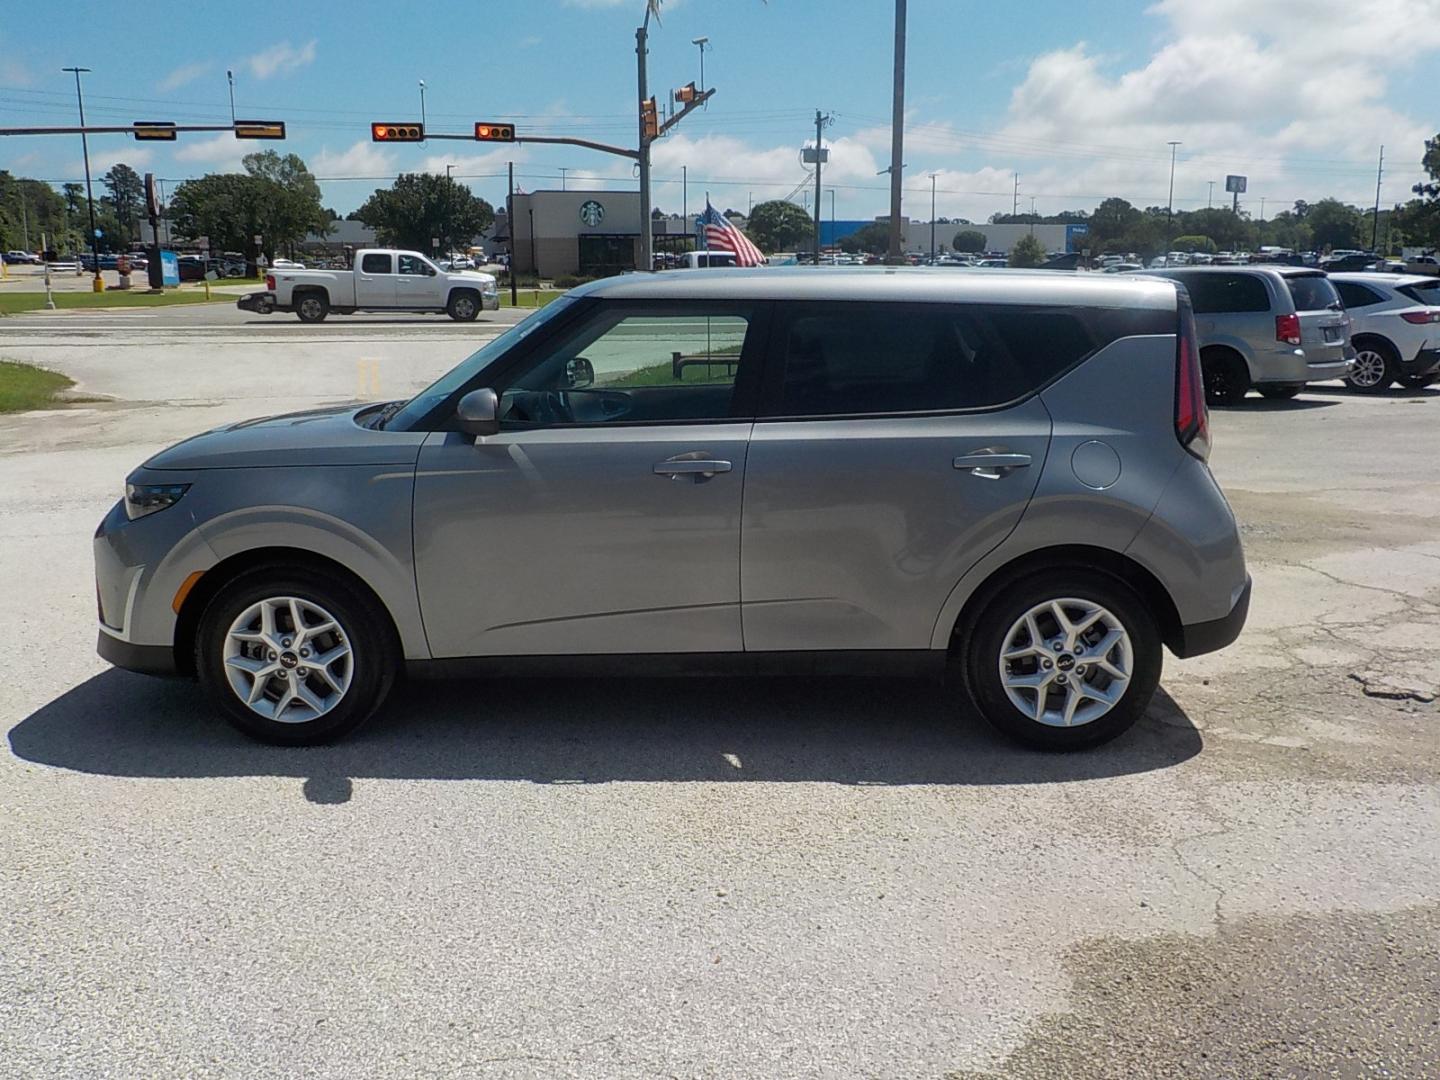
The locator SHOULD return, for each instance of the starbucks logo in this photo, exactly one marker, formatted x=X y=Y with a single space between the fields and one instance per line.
x=592 y=213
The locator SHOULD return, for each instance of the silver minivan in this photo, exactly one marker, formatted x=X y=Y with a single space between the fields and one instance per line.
x=1267 y=328
x=999 y=476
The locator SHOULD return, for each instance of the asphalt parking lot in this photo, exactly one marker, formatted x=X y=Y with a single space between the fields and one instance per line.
x=725 y=878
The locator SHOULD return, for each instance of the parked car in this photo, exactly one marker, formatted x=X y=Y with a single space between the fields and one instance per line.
x=287 y=264
x=19 y=258
x=1395 y=328
x=383 y=280
x=1267 y=328
x=1121 y=268
x=192 y=267
x=1349 y=261
x=740 y=470
x=1423 y=264
x=993 y=264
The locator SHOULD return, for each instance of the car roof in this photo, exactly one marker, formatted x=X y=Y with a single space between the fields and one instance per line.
x=1247 y=268
x=1385 y=279
x=892 y=283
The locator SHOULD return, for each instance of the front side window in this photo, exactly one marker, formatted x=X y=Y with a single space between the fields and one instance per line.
x=413 y=264
x=635 y=365
x=865 y=359
x=376 y=263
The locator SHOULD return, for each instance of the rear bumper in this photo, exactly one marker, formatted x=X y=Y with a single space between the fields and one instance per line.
x=1425 y=362
x=1301 y=365
x=146 y=659
x=1205 y=637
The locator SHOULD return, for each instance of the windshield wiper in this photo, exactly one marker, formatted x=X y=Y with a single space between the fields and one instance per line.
x=387 y=414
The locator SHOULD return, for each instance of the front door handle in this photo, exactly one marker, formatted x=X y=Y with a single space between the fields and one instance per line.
x=694 y=464
x=991 y=464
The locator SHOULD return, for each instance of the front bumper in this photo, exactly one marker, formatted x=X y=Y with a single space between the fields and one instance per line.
x=1425 y=362
x=146 y=659
x=490 y=301
x=1199 y=638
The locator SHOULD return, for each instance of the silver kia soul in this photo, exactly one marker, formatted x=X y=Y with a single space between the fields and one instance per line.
x=997 y=475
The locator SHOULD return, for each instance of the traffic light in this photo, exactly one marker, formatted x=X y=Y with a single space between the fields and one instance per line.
x=491 y=132
x=686 y=94
x=155 y=129
x=407 y=132
x=650 y=118
x=259 y=129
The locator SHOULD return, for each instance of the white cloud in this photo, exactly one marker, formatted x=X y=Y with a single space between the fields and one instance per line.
x=222 y=153
x=281 y=59
x=183 y=74
x=101 y=161
x=362 y=158
x=477 y=166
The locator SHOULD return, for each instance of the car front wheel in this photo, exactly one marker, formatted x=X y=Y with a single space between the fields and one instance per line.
x=1064 y=660
x=463 y=306
x=295 y=658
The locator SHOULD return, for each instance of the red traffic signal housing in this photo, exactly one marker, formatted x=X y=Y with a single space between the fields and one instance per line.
x=406 y=132
x=486 y=131
x=155 y=129
x=650 y=118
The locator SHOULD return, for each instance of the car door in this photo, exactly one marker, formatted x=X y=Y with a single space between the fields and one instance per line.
x=605 y=515
x=375 y=280
x=897 y=445
x=417 y=285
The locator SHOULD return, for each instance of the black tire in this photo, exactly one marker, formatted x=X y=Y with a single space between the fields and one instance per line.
x=1227 y=378
x=464 y=305
x=1280 y=391
x=363 y=625
x=984 y=644
x=1418 y=382
x=312 y=306
x=1376 y=367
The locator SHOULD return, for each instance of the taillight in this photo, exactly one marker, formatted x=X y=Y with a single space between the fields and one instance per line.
x=1192 y=418
x=1287 y=329
x=1420 y=318
x=270 y=282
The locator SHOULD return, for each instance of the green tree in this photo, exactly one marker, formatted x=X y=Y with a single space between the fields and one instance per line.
x=968 y=240
x=1028 y=252
x=127 y=197
x=229 y=208
x=421 y=206
x=1112 y=220
x=1194 y=243
x=292 y=196
x=874 y=239
x=779 y=225
x=1419 y=219
x=1333 y=224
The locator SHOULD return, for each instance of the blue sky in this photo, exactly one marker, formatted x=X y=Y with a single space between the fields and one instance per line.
x=1078 y=97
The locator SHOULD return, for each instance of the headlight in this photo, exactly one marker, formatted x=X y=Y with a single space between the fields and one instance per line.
x=143 y=499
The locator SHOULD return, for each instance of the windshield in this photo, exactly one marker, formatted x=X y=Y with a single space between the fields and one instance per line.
x=1312 y=292
x=422 y=403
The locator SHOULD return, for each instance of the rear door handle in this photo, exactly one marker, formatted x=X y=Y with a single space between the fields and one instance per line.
x=991 y=464
x=701 y=468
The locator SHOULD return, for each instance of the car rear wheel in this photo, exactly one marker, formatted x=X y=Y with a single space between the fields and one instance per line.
x=312 y=307
x=1281 y=391
x=1064 y=660
x=464 y=306
x=1375 y=367
x=295 y=658
x=1227 y=379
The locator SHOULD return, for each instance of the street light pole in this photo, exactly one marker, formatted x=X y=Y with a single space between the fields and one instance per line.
x=1170 y=204
x=701 y=43
x=897 y=132
x=230 y=78
x=89 y=191
x=1210 y=197
x=932 y=217
x=645 y=260
x=449 y=240
x=422 y=107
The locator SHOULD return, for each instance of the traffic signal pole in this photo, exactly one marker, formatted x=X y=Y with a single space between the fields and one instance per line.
x=645 y=258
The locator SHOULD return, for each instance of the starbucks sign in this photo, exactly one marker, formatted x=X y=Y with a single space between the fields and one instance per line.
x=592 y=213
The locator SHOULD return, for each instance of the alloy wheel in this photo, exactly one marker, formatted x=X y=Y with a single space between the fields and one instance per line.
x=288 y=659
x=1369 y=368
x=1066 y=662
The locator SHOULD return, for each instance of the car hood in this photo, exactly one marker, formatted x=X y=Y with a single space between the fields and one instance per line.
x=473 y=275
x=328 y=436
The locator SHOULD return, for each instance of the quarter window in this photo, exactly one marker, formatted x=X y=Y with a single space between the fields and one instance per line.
x=376 y=263
x=1225 y=294
x=636 y=366
x=1357 y=296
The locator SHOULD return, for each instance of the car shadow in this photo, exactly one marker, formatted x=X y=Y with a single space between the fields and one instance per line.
x=574 y=731
x=1403 y=393
x=1260 y=404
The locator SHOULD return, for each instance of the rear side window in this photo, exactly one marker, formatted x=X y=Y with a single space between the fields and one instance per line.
x=1312 y=292
x=1356 y=296
x=376 y=263
x=1225 y=294
x=1427 y=292
x=864 y=359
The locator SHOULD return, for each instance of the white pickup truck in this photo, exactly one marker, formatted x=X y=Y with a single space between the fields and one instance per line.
x=382 y=279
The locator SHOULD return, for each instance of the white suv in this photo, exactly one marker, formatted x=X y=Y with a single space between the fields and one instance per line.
x=1395 y=329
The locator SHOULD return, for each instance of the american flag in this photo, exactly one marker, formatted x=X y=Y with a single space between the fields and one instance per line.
x=720 y=235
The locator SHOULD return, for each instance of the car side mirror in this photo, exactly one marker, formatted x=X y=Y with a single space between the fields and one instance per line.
x=478 y=413
x=579 y=373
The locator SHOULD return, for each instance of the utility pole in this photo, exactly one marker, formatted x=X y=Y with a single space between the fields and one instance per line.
x=99 y=284
x=1210 y=197
x=1032 y=215
x=685 y=194
x=1170 y=202
x=1375 y=228
x=563 y=171
x=932 y=217
x=24 y=216
x=230 y=78
x=820 y=121
x=510 y=223
x=1015 y=202
x=1262 y=209
x=897 y=134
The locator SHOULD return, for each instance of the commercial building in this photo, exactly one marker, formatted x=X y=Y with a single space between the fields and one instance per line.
x=588 y=233
x=915 y=235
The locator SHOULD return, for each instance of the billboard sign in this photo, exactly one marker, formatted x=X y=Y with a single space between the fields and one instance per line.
x=169 y=268
x=1236 y=184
